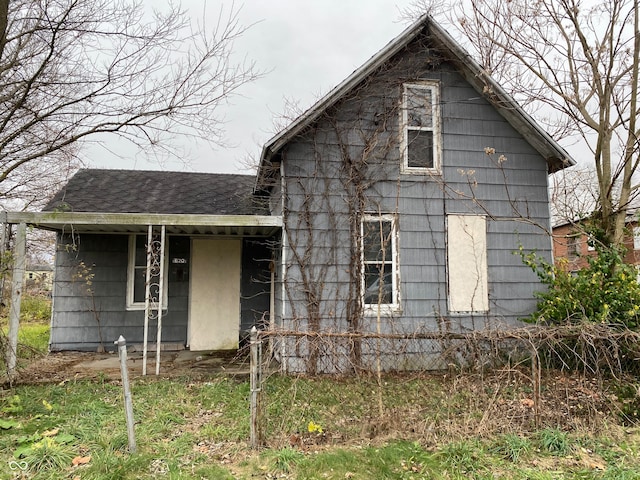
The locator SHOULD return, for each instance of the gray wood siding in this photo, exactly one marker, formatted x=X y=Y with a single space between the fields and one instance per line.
x=359 y=139
x=74 y=322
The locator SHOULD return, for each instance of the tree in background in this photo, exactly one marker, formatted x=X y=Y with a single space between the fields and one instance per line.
x=70 y=70
x=574 y=65
x=573 y=195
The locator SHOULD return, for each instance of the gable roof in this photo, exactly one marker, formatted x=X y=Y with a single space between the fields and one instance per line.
x=556 y=156
x=158 y=192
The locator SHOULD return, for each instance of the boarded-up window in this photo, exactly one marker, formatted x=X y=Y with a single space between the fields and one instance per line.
x=467 y=262
x=420 y=126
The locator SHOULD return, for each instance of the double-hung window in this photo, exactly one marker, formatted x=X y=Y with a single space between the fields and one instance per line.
x=137 y=275
x=380 y=262
x=420 y=127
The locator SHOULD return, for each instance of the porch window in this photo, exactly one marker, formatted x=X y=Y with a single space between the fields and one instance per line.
x=137 y=272
x=379 y=262
x=421 y=128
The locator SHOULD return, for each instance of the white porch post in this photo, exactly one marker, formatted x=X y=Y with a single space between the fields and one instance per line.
x=147 y=296
x=160 y=300
x=16 y=296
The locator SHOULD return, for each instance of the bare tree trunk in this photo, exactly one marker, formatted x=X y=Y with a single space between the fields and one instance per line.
x=4 y=17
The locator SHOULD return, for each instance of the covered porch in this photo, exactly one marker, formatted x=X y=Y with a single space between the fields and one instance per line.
x=164 y=281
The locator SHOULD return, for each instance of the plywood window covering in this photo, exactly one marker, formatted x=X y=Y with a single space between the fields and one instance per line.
x=379 y=261
x=136 y=274
x=421 y=128
x=467 y=263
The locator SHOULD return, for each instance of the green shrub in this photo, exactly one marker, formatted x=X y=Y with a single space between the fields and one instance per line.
x=605 y=292
x=33 y=338
x=35 y=308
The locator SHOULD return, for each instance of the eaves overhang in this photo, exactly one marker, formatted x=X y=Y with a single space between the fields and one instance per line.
x=124 y=223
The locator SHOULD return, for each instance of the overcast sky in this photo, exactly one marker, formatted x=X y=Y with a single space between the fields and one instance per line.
x=305 y=46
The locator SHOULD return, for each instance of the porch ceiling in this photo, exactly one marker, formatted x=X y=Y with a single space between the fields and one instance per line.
x=177 y=224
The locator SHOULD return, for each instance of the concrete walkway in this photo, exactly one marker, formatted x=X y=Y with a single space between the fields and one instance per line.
x=65 y=366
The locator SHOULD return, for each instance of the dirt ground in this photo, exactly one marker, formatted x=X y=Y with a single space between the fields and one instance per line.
x=64 y=366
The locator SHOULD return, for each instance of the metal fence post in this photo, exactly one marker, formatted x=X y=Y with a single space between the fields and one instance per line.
x=536 y=375
x=128 y=405
x=256 y=386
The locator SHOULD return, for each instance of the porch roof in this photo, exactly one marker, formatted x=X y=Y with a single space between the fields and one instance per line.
x=151 y=192
x=120 y=223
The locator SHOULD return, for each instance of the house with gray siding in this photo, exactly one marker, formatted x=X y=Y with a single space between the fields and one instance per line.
x=404 y=194
x=392 y=206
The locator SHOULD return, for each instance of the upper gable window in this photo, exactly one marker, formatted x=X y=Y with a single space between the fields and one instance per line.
x=421 y=128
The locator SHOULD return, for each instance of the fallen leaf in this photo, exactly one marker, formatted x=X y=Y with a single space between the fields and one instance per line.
x=50 y=433
x=527 y=402
x=81 y=460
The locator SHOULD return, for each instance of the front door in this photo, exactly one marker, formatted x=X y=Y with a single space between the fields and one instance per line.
x=214 y=296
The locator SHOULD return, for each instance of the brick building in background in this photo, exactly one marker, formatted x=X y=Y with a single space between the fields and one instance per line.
x=571 y=243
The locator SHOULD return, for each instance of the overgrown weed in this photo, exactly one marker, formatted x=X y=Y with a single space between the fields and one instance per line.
x=321 y=427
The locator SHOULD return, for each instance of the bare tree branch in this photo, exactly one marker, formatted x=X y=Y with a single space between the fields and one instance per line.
x=71 y=70
x=574 y=65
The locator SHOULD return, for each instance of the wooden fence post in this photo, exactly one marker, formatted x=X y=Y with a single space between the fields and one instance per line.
x=256 y=386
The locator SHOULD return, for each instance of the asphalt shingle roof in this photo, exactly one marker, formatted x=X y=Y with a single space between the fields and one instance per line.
x=140 y=191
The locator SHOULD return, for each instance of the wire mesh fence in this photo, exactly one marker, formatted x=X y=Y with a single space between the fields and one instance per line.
x=431 y=384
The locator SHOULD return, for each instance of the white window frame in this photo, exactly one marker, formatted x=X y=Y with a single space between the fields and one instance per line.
x=394 y=306
x=131 y=267
x=636 y=237
x=434 y=88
